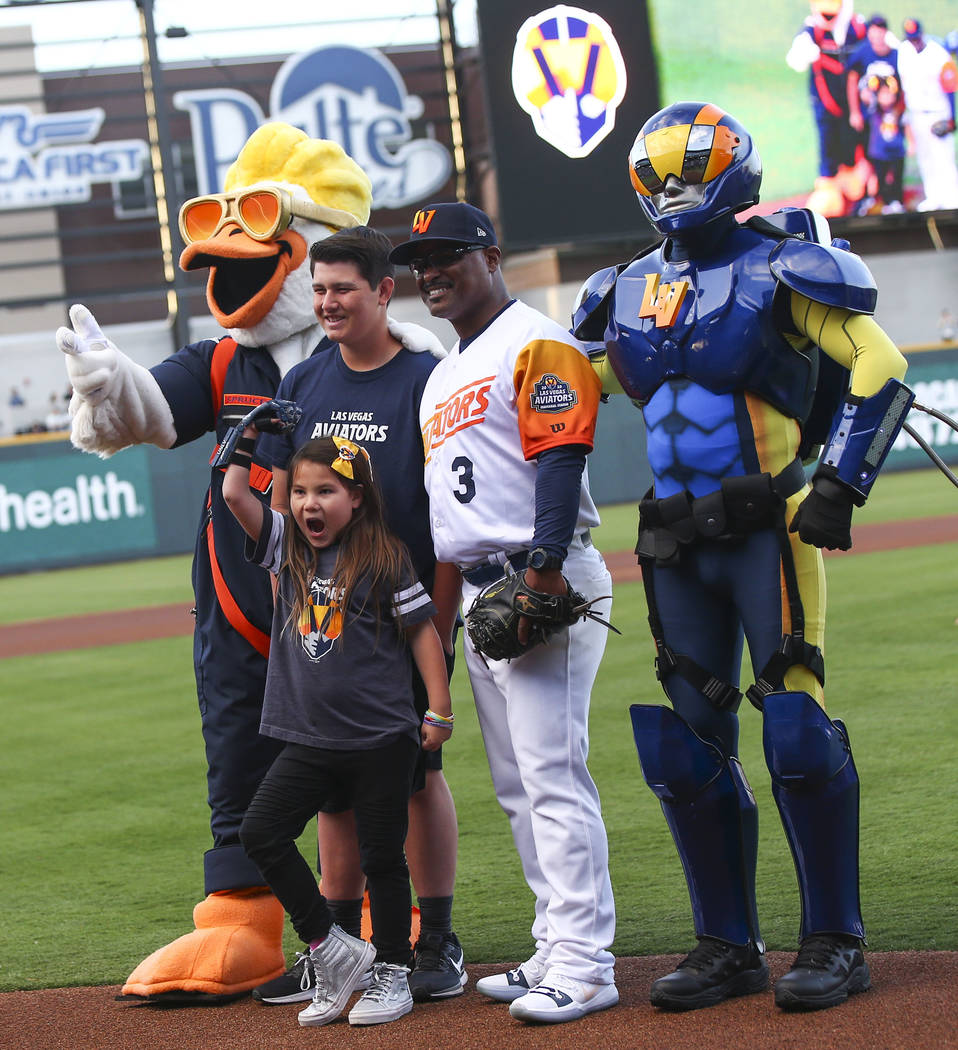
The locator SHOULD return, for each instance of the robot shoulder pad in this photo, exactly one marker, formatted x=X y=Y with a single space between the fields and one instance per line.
x=590 y=313
x=825 y=274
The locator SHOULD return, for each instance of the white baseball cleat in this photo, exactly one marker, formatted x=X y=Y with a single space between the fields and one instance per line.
x=559 y=998
x=505 y=987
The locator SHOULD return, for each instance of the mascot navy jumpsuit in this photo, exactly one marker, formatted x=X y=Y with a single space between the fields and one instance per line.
x=209 y=386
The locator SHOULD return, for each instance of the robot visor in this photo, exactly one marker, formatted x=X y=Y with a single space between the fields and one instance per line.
x=694 y=153
x=261 y=213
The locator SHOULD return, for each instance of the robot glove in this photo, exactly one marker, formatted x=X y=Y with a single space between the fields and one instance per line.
x=824 y=517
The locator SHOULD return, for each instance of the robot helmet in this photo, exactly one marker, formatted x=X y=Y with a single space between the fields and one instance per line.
x=705 y=149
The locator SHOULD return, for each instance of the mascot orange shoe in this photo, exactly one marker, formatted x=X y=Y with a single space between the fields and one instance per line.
x=237 y=944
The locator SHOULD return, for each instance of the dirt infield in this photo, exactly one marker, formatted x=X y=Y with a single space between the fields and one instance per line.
x=168 y=621
x=911 y=1006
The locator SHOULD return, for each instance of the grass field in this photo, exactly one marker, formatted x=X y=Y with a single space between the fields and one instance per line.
x=105 y=821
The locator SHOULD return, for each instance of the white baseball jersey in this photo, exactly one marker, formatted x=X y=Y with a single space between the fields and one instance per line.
x=924 y=75
x=522 y=385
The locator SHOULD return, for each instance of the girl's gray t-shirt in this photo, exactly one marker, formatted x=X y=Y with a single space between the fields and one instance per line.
x=337 y=679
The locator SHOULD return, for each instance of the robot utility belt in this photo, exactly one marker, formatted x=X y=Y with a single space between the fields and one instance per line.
x=741 y=506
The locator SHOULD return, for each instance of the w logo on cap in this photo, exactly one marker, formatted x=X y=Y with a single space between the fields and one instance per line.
x=569 y=76
x=421 y=220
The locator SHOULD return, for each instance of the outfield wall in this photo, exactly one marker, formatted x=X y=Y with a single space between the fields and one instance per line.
x=60 y=507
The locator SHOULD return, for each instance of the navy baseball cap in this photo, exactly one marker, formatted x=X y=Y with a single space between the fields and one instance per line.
x=458 y=223
x=878 y=20
x=912 y=28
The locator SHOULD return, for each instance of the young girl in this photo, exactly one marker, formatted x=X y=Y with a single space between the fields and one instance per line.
x=348 y=612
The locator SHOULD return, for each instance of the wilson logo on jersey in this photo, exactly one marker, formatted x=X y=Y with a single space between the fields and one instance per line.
x=663 y=301
x=465 y=408
x=552 y=394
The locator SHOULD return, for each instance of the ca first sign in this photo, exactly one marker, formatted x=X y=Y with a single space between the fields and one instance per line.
x=51 y=159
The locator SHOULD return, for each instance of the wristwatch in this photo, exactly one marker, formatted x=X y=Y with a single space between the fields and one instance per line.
x=540 y=559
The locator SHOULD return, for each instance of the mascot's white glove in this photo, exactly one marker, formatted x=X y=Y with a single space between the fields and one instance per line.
x=116 y=402
x=803 y=52
x=415 y=338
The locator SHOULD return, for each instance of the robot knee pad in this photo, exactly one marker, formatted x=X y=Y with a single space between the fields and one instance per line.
x=816 y=789
x=804 y=749
x=713 y=818
x=676 y=762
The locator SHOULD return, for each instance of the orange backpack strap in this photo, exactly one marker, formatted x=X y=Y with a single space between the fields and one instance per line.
x=235 y=616
x=259 y=640
x=222 y=356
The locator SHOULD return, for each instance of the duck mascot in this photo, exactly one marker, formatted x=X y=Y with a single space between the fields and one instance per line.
x=284 y=191
x=823 y=47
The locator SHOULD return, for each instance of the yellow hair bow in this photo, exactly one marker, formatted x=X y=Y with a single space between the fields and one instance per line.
x=348 y=451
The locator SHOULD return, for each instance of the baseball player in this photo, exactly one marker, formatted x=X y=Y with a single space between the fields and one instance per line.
x=507 y=420
x=929 y=79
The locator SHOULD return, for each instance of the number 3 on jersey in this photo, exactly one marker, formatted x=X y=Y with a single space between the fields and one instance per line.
x=462 y=466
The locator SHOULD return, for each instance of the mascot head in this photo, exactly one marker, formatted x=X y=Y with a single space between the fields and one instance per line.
x=826 y=10
x=284 y=191
x=692 y=163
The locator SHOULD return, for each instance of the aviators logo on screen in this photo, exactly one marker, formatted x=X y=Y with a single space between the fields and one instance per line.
x=569 y=76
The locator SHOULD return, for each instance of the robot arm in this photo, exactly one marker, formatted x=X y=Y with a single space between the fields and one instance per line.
x=853 y=339
x=116 y=402
x=590 y=318
x=864 y=427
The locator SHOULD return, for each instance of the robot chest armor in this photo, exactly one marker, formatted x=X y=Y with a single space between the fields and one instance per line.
x=708 y=323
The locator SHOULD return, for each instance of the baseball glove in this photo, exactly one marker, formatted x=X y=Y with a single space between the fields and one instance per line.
x=492 y=621
x=941 y=128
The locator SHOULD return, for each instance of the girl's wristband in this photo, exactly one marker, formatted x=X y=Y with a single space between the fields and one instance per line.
x=430 y=718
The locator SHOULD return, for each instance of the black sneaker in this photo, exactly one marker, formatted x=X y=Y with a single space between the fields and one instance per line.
x=829 y=968
x=438 y=968
x=294 y=986
x=298 y=984
x=713 y=971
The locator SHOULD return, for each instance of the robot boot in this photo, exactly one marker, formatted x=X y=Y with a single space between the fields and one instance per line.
x=713 y=818
x=815 y=785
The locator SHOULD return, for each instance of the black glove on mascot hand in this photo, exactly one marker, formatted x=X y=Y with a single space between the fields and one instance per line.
x=824 y=517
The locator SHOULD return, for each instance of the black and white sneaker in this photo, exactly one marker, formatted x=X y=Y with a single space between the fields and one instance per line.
x=298 y=984
x=294 y=986
x=439 y=970
x=505 y=987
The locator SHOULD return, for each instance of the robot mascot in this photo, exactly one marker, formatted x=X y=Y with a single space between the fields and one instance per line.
x=717 y=335
x=284 y=191
x=822 y=47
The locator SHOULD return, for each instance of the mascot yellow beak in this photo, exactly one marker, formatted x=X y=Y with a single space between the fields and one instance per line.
x=246 y=236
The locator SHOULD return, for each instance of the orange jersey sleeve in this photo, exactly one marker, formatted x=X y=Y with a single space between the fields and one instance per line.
x=557 y=396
